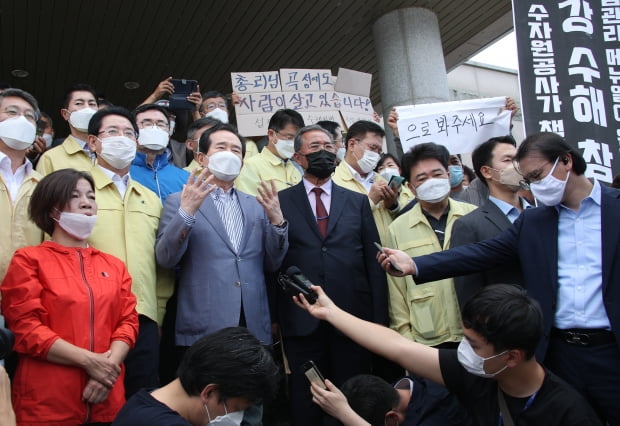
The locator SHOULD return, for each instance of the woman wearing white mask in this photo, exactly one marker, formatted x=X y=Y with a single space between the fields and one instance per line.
x=71 y=309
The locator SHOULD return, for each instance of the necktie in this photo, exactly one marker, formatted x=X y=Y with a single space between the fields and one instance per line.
x=322 y=218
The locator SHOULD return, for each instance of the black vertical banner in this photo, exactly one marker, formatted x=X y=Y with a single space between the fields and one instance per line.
x=569 y=73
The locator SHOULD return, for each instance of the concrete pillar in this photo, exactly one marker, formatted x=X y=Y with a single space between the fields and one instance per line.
x=410 y=59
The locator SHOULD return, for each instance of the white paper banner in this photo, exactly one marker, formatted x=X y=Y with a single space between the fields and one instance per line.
x=460 y=126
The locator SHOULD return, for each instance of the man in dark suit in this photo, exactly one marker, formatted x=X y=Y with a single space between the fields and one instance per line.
x=568 y=253
x=331 y=235
x=495 y=170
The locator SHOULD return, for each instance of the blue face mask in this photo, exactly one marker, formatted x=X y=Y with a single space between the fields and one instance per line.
x=456 y=175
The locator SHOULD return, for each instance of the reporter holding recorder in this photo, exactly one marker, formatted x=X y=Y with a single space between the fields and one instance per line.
x=493 y=372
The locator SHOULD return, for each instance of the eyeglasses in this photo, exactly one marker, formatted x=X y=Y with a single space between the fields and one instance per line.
x=374 y=148
x=162 y=124
x=534 y=176
x=13 y=112
x=116 y=132
x=288 y=137
x=211 y=106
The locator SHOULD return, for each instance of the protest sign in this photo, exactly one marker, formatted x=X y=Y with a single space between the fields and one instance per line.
x=460 y=125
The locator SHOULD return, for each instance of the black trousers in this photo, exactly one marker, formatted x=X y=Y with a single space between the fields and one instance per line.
x=592 y=370
x=142 y=362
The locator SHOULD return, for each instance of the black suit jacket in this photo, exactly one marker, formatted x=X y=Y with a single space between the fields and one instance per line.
x=534 y=240
x=343 y=262
x=485 y=222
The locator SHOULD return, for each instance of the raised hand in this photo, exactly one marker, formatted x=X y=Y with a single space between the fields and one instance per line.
x=196 y=189
x=268 y=198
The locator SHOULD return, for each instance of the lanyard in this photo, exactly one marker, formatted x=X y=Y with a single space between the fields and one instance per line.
x=504 y=407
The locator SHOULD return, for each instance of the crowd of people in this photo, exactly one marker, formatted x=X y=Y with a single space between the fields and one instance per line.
x=142 y=253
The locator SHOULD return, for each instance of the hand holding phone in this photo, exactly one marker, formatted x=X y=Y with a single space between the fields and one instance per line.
x=396 y=182
x=313 y=374
x=396 y=268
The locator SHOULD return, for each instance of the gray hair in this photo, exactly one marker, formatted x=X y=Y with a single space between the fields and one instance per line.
x=299 y=143
x=19 y=93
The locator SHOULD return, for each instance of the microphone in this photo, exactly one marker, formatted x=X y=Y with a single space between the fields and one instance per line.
x=294 y=282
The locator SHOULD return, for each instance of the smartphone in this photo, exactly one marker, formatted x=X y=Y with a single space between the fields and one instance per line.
x=182 y=89
x=313 y=374
x=394 y=267
x=396 y=182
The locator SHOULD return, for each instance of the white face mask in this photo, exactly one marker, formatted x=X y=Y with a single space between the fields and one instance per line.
x=18 y=133
x=368 y=161
x=340 y=154
x=48 y=139
x=433 y=190
x=285 y=148
x=550 y=190
x=79 y=119
x=218 y=114
x=388 y=172
x=77 y=225
x=118 y=151
x=172 y=124
x=153 y=138
x=474 y=363
x=230 y=419
x=224 y=165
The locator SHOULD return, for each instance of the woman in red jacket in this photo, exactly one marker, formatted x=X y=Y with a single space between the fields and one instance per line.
x=71 y=309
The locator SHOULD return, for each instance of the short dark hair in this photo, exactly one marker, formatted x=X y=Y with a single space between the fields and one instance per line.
x=483 y=154
x=199 y=124
x=235 y=361
x=298 y=142
x=552 y=146
x=47 y=117
x=616 y=182
x=506 y=317
x=81 y=87
x=370 y=397
x=387 y=156
x=467 y=171
x=359 y=129
x=330 y=126
x=19 y=93
x=54 y=191
x=424 y=151
x=150 y=107
x=213 y=94
x=94 y=126
x=283 y=117
x=205 y=139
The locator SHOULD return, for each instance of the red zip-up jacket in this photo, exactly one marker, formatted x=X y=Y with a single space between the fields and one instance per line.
x=81 y=295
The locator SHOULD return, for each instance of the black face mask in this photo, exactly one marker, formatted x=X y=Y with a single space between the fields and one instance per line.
x=321 y=163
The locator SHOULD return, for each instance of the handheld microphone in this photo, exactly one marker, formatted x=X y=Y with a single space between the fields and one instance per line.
x=294 y=282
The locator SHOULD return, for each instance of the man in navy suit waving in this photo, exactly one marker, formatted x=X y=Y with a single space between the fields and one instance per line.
x=331 y=235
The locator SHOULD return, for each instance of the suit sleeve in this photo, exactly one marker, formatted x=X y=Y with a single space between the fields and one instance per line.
x=376 y=275
x=127 y=327
x=466 y=285
x=470 y=258
x=22 y=306
x=172 y=235
x=276 y=245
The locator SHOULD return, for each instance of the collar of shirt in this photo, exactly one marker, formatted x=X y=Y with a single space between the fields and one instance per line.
x=365 y=181
x=594 y=197
x=124 y=180
x=221 y=195
x=309 y=186
x=273 y=159
x=6 y=165
x=159 y=162
x=510 y=211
